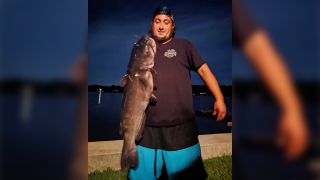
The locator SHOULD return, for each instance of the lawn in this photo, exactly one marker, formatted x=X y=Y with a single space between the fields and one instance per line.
x=218 y=168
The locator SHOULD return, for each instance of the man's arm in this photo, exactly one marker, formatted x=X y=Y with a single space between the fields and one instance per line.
x=293 y=132
x=212 y=84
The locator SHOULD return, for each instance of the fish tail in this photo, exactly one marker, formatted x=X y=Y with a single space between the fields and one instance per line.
x=129 y=157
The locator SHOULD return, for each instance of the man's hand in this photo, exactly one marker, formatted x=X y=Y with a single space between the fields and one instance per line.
x=292 y=134
x=212 y=84
x=221 y=108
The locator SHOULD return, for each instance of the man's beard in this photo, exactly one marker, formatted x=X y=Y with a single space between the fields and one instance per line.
x=162 y=39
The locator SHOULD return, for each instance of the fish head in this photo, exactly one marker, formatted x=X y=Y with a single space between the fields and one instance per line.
x=143 y=53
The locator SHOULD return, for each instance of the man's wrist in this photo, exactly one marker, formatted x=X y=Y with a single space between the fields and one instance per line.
x=292 y=109
x=219 y=98
x=292 y=105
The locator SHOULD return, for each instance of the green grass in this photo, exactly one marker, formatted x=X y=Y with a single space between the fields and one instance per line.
x=108 y=174
x=218 y=168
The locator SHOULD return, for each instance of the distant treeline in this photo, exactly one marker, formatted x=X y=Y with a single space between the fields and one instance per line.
x=52 y=87
x=243 y=89
x=196 y=89
x=257 y=91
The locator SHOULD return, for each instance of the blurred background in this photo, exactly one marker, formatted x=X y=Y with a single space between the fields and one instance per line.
x=293 y=30
x=43 y=55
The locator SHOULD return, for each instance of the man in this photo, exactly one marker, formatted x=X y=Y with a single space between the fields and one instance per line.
x=170 y=138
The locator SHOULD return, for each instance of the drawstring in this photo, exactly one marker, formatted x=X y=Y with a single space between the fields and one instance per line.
x=155 y=147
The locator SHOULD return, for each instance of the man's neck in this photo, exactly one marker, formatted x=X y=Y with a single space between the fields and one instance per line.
x=157 y=42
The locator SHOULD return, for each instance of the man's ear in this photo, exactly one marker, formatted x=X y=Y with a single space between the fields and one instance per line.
x=173 y=25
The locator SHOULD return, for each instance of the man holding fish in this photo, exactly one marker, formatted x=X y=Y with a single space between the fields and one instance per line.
x=167 y=146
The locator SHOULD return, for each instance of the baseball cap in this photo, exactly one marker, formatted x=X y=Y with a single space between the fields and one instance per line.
x=163 y=10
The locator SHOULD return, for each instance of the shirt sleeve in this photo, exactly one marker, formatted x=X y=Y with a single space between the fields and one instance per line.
x=243 y=24
x=195 y=61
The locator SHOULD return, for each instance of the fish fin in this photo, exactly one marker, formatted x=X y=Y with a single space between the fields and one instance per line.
x=130 y=77
x=123 y=81
x=154 y=70
x=139 y=134
x=153 y=99
x=121 y=131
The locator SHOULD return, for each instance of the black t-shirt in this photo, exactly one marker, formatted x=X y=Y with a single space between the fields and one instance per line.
x=172 y=83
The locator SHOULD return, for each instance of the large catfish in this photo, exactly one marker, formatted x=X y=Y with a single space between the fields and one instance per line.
x=138 y=88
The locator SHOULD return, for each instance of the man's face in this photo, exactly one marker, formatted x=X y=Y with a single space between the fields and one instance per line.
x=162 y=28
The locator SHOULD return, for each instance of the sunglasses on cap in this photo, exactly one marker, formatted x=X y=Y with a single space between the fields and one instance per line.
x=163 y=10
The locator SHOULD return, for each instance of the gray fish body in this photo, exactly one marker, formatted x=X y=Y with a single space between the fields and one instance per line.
x=138 y=88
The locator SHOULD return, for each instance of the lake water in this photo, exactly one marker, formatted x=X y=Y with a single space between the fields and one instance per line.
x=104 y=116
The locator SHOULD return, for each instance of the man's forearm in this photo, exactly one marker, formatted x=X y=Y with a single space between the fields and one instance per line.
x=272 y=70
x=210 y=81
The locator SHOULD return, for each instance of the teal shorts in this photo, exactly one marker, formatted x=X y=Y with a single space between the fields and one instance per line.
x=169 y=153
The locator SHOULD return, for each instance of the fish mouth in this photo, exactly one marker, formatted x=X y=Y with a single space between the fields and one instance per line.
x=151 y=42
x=149 y=62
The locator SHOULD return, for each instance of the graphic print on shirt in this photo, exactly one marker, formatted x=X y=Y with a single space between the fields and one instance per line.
x=170 y=53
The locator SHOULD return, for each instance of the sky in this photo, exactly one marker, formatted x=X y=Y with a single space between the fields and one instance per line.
x=43 y=39
x=113 y=28
x=293 y=29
